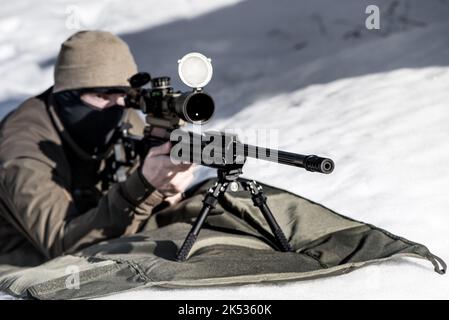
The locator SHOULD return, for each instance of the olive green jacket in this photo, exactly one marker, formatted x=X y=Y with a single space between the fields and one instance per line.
x=50 y=198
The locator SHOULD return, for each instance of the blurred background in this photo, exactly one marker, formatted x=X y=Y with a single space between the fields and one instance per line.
x=312 y=74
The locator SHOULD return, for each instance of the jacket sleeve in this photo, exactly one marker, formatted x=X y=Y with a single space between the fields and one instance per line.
x=42 y=208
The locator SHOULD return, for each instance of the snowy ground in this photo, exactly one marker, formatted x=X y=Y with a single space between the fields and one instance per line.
x=374 y=101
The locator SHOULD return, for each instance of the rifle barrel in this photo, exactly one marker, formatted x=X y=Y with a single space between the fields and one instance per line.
x=309 y=162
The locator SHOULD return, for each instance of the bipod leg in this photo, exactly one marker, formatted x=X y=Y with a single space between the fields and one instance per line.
x=209 y=202
x=260 y=201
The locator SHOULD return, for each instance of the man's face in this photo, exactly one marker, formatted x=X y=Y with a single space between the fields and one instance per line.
x=90 y=116
x=103 y=100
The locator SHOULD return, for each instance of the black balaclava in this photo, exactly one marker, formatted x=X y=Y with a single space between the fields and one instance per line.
x=90 y=128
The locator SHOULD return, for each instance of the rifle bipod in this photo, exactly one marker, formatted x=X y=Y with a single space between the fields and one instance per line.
x=229 y=178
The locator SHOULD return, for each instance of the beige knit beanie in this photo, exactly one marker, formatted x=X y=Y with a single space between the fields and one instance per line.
x=90 y=59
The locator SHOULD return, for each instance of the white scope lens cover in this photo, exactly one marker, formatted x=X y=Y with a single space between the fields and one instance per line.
x=195 y=70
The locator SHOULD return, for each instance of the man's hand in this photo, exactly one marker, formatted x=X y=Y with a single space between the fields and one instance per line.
x=168 y=178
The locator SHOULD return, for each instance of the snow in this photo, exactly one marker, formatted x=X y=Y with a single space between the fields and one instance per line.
x=373 y=101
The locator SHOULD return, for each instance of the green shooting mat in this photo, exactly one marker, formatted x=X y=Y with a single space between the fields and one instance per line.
x=234 y=247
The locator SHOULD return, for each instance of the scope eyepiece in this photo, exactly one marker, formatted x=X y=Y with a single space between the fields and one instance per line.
x=139 y=80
